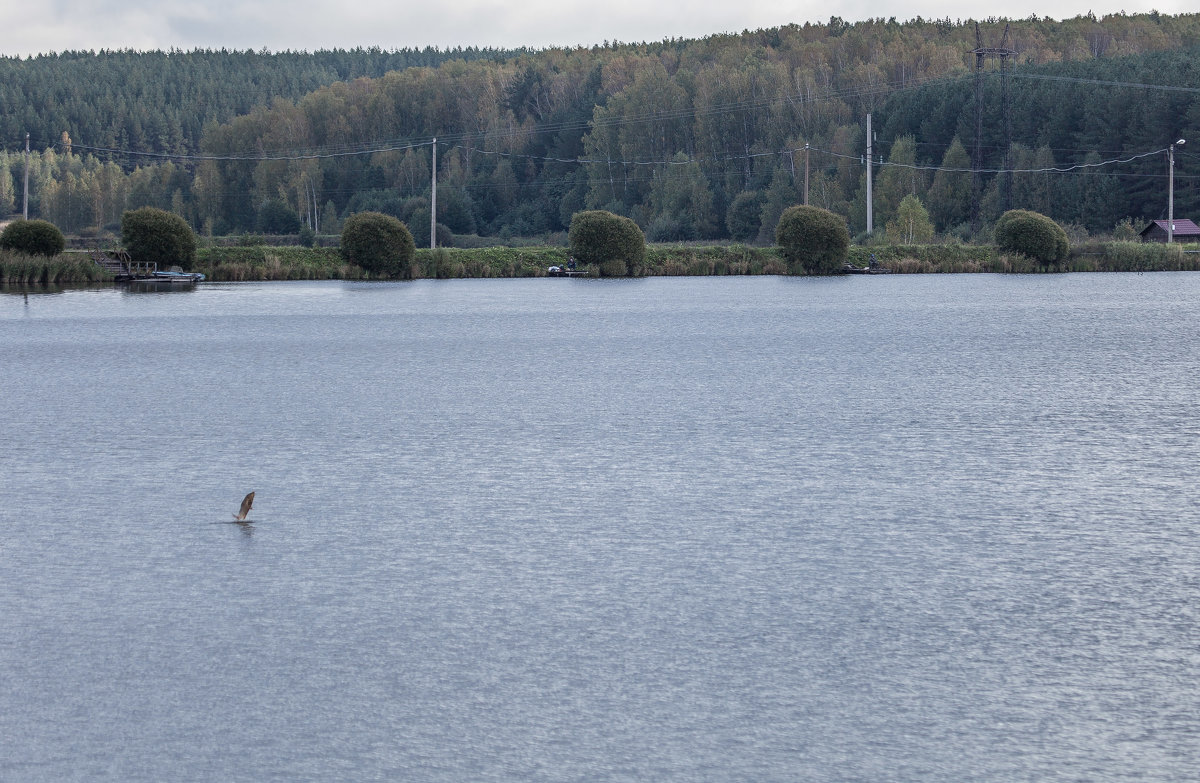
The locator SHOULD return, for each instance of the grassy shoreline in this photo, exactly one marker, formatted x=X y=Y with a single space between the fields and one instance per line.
x=223 y=264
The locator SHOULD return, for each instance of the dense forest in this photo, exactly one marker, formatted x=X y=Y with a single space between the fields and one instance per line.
x=160 y=102
x=694 y=139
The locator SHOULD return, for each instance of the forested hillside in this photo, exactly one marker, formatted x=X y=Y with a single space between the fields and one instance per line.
x=160 y=102
x=1065 y=121
x=697 y=139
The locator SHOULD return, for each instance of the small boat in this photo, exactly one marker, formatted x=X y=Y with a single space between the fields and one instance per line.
x=851 y=269
x=177 y=275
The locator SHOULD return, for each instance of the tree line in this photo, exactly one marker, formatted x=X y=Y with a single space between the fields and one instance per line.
x=693 y=139
x=1075 y=114
x=161 y=101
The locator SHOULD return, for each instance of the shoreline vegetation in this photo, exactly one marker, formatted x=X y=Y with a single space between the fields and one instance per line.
x=262 y=262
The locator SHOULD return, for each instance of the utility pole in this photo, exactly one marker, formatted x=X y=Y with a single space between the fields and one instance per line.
x=25 y=212
x=806 y=173
x=982 y=52
x=310 y=200
x=316 y=210
x=870 y=200
x=1004 y=54
x=1171 y=191
x=977 y=151
x=433 y=202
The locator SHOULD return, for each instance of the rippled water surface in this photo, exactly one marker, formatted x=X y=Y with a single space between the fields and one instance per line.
x=760 y=529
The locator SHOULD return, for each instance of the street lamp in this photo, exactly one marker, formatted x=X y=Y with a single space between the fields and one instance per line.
x=1171 y=190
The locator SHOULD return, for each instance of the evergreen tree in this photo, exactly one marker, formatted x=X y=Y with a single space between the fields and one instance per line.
x=743 y=216
x=950 y=194
x=276 y=217
x=330 y=224
x=897 y=180
x=7 y=191
x=681 y=203
x=1099 y=197
x=779 y=196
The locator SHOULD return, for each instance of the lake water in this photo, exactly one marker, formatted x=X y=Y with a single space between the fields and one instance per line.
x=742 y=529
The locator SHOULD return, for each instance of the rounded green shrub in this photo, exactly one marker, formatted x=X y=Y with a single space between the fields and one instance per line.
x=613 y=243
x=418 y=225
x=1032 y=234
x=814 y=240
x=276 y=217
x=33 y=237
x=153 y=235
x=379 y=243
x=744 y=216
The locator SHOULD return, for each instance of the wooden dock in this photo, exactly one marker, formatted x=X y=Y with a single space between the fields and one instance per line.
x=122 y=267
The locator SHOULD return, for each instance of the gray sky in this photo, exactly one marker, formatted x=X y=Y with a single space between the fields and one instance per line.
x=57 y=25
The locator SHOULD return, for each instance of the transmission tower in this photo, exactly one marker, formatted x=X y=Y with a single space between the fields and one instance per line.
x=982 y=54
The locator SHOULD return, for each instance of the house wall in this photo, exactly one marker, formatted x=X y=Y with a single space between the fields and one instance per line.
x=1154 y=234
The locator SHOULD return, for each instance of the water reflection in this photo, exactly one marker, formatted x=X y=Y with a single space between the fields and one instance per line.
x=134 y=287
x=47 y=289
x=158 y=287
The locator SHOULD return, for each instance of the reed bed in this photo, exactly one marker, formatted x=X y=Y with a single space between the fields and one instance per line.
x=457 y=262
x=689 y=260
x=930 y=259
x=18 y=269
x=230 y=264
x=1134 y=257
x=221 y=264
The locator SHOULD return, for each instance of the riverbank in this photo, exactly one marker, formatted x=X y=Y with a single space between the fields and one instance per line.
x=225 y=264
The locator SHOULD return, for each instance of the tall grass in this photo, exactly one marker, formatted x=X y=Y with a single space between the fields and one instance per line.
x=225 y=264
x=929 y=259
x=1115 y=256
x=455 y=262
x=21 y=269
x=1132 y=257
x=306 y=263
x=680 y=260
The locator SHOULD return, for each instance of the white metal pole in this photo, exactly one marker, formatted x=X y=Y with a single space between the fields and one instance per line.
x=433 y=202
x=1171 y=194
x=870 y=214
x=806 y=173
x=25 y=212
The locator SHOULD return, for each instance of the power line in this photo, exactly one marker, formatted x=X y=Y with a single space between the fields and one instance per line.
x=1045 y=170
x=618 y=161
x=254 y=157
x=1104 y=82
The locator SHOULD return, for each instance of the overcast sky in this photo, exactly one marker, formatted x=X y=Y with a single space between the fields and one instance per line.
x=57 y=25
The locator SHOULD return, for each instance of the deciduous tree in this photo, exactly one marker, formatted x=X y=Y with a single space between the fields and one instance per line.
x=153 y=235
x=33 y=237
x=814 y=240
x=379 y=243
